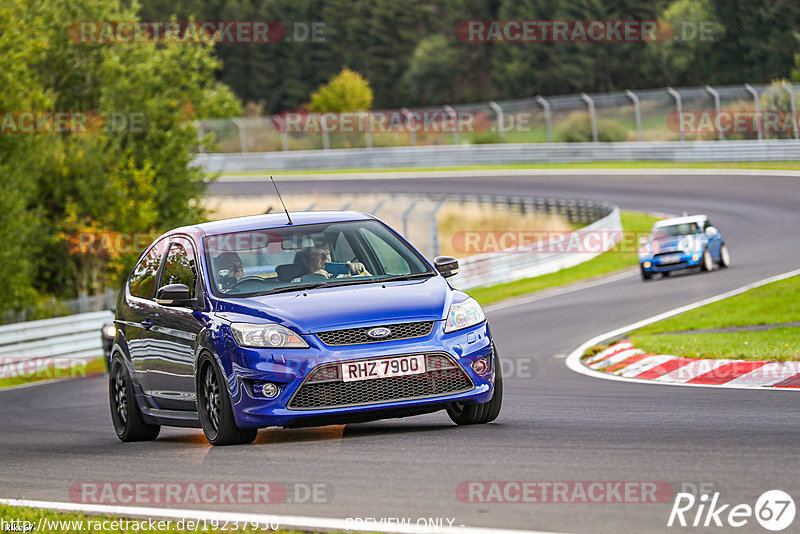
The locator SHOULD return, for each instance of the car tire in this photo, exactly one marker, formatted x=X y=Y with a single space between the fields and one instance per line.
x=724 y=256
x=485 y=412
x=646 y=276
x=214 y=407
x=707 y=263
x=129 y=424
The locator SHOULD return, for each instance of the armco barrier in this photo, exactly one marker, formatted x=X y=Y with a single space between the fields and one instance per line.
x=71 y=337
x=500 y=267
x=458 y=155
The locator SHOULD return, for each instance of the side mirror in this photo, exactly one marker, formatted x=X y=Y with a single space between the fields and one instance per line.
x=446 y=265
x=711 y=231
x=174 y=295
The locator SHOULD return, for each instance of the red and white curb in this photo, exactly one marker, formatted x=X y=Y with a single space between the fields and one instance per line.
x=625 y=360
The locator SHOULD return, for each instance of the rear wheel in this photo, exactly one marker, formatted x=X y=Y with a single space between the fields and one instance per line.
x=485 y=412
x=724 y=256
x=215 y=410
x=707 y=264
x=128 y=421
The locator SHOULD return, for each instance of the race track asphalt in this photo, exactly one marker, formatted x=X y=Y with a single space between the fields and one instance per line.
x=556 y=425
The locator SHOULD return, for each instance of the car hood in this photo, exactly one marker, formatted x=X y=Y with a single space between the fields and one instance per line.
x=321 y=309
x=665 y=244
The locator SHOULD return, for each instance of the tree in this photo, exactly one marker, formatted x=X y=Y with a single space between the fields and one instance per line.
x=347 y=91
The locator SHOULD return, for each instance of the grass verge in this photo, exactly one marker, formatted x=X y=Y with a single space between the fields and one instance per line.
x=772 y=304
x=762 y=165
x=23 y=519
x=25 y=373
x=608 y=262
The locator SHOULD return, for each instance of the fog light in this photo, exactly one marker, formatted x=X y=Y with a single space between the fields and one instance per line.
x=647 y=264
x=480 y=366
x=269 y=390
x=695 y=257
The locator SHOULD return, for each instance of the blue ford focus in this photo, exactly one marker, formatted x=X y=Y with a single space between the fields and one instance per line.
x=327 y=318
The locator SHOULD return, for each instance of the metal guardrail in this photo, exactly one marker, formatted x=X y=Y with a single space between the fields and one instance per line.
x=499 y=267
x=64 y=338
x=458 y=155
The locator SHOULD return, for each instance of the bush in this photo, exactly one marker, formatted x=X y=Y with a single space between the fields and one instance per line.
x=347 y=91
x=578 y=129
x=487 y=138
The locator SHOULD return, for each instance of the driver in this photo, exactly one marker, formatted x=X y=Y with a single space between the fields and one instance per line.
x=229 y=269
x=313 y=262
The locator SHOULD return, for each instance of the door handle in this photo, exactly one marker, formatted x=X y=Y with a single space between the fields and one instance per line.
x=147 y=324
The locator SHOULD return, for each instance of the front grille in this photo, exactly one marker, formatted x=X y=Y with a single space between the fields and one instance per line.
x=323 y=388
x=357 y=336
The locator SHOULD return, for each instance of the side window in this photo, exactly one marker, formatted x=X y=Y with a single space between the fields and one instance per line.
x=342 y=250
x=143 y=280
x=180 y=267
x=391 y=261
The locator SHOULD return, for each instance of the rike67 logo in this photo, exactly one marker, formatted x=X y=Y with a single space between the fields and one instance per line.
x=774 y=510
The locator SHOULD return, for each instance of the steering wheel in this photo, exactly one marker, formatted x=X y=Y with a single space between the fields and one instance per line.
x=249 y=278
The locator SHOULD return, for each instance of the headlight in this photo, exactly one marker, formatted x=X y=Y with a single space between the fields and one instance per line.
x=691 y=244
x=463 y=315
x=266 y=336
x=110 y=331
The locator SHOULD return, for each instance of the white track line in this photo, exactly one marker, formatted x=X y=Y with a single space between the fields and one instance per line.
x=573 y=361
x=285 y=521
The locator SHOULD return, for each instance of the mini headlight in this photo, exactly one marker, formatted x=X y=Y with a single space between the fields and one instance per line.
x=266 y=336
x=463 y=315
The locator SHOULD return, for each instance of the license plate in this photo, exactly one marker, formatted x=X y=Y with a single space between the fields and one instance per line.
x=670 y=258
x=386 y=368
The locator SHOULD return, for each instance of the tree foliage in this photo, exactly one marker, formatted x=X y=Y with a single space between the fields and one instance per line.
x=347 y=91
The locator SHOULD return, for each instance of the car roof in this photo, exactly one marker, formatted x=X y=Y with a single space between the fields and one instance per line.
x=681 y=220
x=271 y=220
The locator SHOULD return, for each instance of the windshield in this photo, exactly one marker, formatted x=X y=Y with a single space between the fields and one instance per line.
x=675 y=230
x=275 y=260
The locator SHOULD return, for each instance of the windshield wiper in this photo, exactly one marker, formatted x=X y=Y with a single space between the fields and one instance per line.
x=286 y=289
x=412 y=276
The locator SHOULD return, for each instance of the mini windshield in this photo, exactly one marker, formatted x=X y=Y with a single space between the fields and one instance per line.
x=675 y=230
x=275 y=260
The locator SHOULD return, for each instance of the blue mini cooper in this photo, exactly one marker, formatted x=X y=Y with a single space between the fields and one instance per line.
x=327 y=318
x=682 y=243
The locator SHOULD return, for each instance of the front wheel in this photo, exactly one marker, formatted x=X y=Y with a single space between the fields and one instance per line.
x=646 y=275
x=128 y=421
x=707 y=264
x=215 y=410
x=485 y=412
x=724 y=256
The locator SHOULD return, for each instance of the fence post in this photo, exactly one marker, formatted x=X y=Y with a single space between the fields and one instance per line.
x=199 y=126
x=378 y=207
x=367 y=130
x=450 y=111
x=242 y=134
x=411 y=132
x=592 y=116
x=678 y=107
x=280 y=122
x=752 y=91
x=790 y=89
x=500 y=120
x=548 y=120
x=713 y=92
x=406 y=213
x=637 y=111
x=326 y=140
x=435 y=248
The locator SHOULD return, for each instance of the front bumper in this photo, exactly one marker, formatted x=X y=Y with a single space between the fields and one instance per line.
x=656 y=263
x=290 y=368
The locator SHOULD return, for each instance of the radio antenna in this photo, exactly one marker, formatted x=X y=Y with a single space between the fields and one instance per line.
x=281 y=199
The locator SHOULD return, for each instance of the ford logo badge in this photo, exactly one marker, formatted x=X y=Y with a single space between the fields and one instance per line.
x=378 y=333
